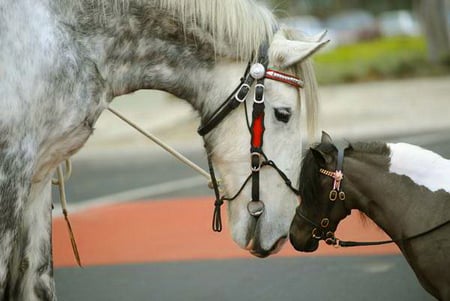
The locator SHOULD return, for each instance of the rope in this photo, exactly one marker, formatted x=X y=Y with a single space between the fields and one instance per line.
x=164 y=145
x=62 y=196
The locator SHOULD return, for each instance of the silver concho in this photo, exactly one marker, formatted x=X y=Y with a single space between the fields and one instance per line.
x=255 y=208
x=257 y=71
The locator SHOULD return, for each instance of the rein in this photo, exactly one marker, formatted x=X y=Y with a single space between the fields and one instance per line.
x=343 y=243
x=320 y=231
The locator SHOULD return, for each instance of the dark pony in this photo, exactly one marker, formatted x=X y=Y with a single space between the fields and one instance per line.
x=403 y=188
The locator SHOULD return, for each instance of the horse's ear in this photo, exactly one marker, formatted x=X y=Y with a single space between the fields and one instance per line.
x=285 y=53
x=326 y=138
x=314 y=38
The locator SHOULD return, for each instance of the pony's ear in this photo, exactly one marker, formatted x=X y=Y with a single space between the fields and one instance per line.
x=285 y=53
x=320 y=157
x=326 y=138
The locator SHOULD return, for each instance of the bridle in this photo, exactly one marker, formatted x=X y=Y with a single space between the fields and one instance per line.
x=322 y=231
x=254 y=72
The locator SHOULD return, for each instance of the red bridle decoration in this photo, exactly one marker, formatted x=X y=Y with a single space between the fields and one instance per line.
x=258 y=131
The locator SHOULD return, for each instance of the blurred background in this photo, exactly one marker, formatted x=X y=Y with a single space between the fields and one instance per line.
x=372 y=40
x=385 y=75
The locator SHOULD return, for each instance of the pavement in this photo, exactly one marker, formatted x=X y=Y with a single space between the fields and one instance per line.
x=354 y=111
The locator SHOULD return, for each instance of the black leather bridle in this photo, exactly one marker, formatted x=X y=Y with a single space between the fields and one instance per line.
x=254 y=72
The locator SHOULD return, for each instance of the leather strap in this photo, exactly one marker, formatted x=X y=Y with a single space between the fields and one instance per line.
x=232 y=102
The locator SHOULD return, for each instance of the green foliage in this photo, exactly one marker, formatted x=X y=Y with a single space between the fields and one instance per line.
x=379 y=59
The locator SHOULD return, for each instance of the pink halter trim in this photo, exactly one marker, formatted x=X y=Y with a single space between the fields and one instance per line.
x=336 y=175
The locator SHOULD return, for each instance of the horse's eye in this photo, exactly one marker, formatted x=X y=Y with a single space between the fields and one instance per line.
x=283 y=114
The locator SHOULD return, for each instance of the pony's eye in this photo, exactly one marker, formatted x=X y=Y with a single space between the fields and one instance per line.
x=283 y=114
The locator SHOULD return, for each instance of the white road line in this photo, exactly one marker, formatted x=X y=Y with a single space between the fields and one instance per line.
x=132 y=194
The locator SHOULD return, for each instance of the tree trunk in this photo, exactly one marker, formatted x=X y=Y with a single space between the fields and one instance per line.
x=433 y=18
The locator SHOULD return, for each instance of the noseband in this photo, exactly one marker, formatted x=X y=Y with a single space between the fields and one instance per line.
x=254 y=72
x=321 y=231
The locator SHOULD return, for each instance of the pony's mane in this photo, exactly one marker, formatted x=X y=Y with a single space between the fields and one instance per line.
x=373 y=147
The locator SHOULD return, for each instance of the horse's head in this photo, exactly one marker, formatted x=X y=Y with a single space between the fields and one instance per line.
x=265 y=199
x=322 y=197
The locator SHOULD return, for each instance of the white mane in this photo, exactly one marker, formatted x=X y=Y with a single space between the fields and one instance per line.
x=242 y=23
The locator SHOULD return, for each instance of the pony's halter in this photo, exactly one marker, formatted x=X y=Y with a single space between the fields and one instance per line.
x=321 y=231
x=254 y=72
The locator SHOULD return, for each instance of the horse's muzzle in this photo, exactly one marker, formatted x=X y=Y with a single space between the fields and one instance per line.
x=256 y=250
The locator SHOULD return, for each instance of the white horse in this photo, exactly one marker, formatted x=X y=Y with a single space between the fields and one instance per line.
x=63 y=61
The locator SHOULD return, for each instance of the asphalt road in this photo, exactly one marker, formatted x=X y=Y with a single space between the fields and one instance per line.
x=312 y=278
x=374 y=278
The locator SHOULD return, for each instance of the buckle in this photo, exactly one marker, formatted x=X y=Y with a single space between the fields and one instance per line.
x=315 y=235
x=333 y=195
x=325 y=222
x=331 y=239
x=243 y=97
x=259 y=93
x=256 y=166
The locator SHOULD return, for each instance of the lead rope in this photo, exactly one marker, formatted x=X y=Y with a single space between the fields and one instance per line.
x=165 y=146
x=61 y=178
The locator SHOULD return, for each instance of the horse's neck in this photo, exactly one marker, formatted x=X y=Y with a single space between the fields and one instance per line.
x=144 y=47
x=390 y=193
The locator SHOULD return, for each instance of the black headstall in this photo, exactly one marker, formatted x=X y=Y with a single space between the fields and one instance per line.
x=254 y=72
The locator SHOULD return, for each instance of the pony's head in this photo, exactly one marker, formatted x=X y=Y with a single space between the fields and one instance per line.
x=322 y=196
x=260 y=223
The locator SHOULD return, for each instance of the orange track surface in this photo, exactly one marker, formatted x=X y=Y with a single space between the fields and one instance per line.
x=174 y=230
